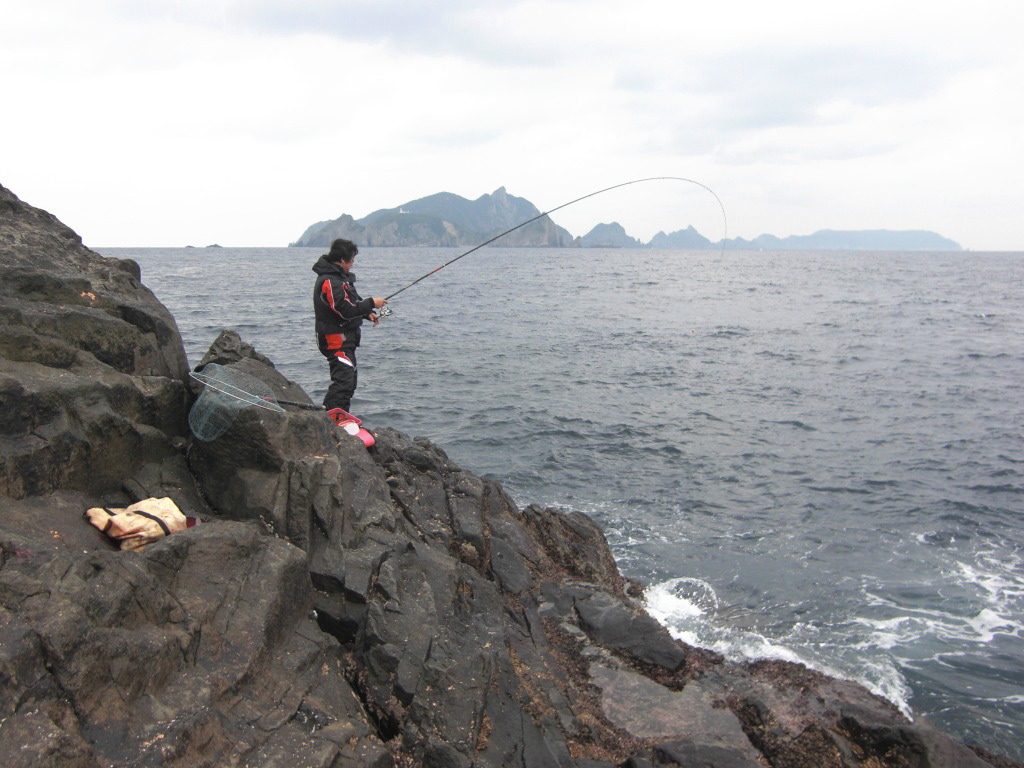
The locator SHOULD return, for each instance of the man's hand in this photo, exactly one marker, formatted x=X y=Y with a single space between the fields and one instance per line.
x=378 y=302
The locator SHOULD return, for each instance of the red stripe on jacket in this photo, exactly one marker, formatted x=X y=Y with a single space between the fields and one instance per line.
x=328 y=294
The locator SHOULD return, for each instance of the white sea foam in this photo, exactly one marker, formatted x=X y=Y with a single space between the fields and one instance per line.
x=678 y=600
x=988 y=623
x=882 y=676
x=887 y=634
x=991 y=605
x=687 y=607
x=999 y=585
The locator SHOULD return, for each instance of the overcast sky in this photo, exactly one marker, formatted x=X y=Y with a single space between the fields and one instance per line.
x=242 y=122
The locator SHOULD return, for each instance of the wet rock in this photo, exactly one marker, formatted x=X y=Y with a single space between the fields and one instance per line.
x=615 y=624
x=695 y=755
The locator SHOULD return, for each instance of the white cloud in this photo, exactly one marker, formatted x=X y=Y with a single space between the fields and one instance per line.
x=241 y=122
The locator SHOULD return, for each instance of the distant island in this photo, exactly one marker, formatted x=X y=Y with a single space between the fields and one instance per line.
x=448 y=220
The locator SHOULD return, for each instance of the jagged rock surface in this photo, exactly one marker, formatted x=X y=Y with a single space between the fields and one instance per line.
x=339 y=607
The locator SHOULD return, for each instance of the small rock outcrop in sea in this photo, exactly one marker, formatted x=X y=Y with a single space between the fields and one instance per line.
x=338 y=606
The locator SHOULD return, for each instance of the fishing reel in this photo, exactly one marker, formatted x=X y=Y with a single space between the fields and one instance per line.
x=385 y=311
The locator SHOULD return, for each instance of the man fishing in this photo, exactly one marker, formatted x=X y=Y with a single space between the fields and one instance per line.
x=339 y=311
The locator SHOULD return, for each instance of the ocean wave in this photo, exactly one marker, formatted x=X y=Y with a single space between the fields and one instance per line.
x=794 y=423
x=996 y=488
x=924 y=624
x=838 y=489
x=688 y=607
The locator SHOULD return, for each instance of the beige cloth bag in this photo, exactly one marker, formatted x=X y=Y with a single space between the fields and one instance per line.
x=140 y=524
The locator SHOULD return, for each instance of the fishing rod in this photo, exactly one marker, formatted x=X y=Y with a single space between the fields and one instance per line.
x=386 y=311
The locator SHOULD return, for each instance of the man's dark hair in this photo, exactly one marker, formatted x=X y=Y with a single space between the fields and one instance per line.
x=342 y=250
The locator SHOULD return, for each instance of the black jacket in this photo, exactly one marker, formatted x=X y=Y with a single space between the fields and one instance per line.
x=338 y=308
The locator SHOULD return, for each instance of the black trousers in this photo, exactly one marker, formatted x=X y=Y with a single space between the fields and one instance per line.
x=343 y=381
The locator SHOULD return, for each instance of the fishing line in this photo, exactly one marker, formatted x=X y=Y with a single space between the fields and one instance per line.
x=386 y=311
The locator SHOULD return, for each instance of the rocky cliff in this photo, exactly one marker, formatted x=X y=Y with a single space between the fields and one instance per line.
x=338 y=606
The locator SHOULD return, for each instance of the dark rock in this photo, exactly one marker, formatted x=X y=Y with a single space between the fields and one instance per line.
x=229 y=349
x=340 y=607
x=693 y=755
x=186 y=652
x=91 y=365
x=615 y=624
x=577 y=543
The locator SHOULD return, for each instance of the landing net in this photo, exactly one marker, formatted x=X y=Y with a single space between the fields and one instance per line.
x=226 y=392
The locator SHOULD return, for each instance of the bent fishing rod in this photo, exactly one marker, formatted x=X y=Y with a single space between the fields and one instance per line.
x=386 y=311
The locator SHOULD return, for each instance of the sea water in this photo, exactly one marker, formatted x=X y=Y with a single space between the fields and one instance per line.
x=808 y=456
